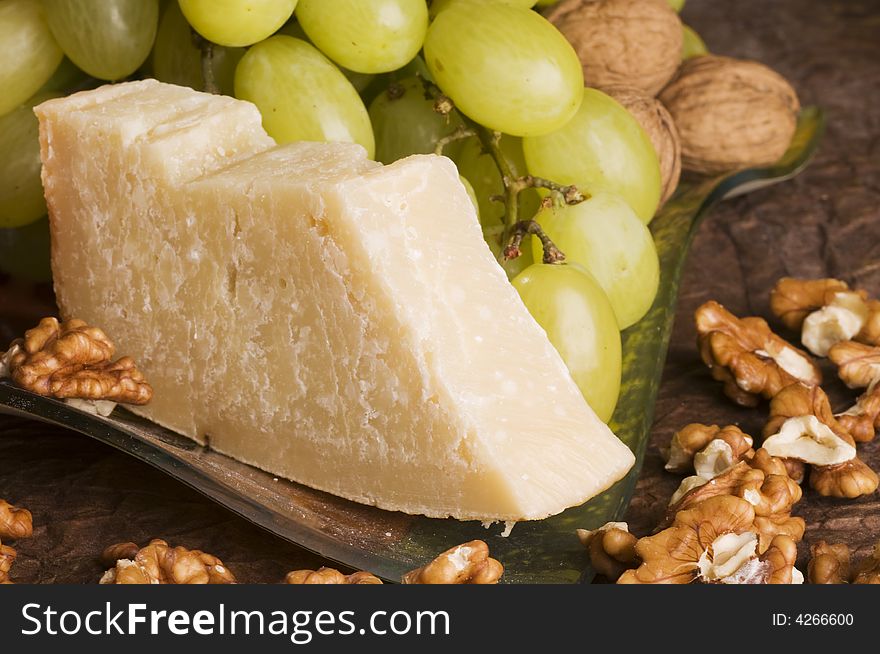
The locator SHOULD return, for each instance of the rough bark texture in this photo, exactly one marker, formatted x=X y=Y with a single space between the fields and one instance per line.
x=85 y=496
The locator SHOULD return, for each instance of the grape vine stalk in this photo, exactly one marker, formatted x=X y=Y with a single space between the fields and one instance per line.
x=515 y=229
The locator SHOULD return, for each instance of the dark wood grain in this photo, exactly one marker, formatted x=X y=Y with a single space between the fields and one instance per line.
x=826 y=222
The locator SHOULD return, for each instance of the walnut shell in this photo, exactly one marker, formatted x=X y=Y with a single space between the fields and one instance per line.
x=633 y=43
x=730 y=113
x=660 y=128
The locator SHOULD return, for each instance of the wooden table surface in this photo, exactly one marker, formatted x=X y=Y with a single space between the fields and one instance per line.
x=824 y=223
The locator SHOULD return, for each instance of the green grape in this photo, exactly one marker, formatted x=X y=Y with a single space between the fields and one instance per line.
x=602 y=147
x=177 y=58
x=366 y=36
x=301 y=94
x=482 y=172
x=471 y=194
x=678 y=5
x=66 y=77
x=514 y=267
x=405 y=123
x=692 y=45
x=480 y=169
x=605 y=236
x=108 y=39
x=439 y=5
x=21 y=191
x=415 y=67
x=236 y=23
x=30 y=53
x=360 y=81
x=24 y=251
x=506 y=67
x=572 y=308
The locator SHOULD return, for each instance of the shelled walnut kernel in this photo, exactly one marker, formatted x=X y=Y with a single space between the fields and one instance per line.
x=159 y=563
x=468 y=563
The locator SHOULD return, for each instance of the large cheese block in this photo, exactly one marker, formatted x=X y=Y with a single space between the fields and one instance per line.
x=331 y=320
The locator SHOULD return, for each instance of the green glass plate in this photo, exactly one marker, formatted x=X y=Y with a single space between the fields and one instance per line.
x=388 y=543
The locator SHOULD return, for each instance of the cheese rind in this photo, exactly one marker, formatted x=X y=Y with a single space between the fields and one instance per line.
x=316 y=314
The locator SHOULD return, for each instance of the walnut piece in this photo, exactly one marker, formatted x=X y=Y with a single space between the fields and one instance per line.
x=870 y=333
x=117 y=551
x=839 y=320
x=660 y=128
x=834 y=312
x=808 y=439
x=802 y=427
x=792 y=300
x=7 y=558
x=858 y=365
x=730 y=113
x=850 y=479
x=748 y=357
x=863 y=418
x=73 y=360
x=159 y=563
x=713 y=542
x=769 y=527
x=740 y=480
x=686 y=486
x=468 y=563
x=829 y=564
x=611 y=548
x=771 y=496
x=867 y=571
x=694 y=438
x=634 y=43
x=15 y=523
x=329 y=576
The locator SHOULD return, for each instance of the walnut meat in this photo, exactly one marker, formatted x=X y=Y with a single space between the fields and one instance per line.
x=868 y=570
x=802 y=427
x=748 y=357
x=468 y=563
x=15 y=522
x=827 y=311
x=635 y=43
x=73 y=360
x=849 y=480
x=792 y=299
x=7 y=558
x=611 y=548
x=329 y=576
x=858 y=365
x=730 y=113
x=159 y=563
x=693 y=439
x=862 y=420
x=658 y=125
x=713 y=542
x=772 y=496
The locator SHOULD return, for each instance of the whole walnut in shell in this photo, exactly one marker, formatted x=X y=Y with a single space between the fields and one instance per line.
x=660 y=128
x=633 y=43
x=730 y=113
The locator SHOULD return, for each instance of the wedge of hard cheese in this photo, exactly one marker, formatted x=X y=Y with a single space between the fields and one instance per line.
x=313 y=313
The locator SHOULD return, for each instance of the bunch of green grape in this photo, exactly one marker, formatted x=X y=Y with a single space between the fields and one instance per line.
x=372 y=72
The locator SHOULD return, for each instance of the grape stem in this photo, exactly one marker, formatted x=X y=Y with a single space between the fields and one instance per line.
x=514 y=228
x=461 y=132
x=521 y=229
x=207 y=51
